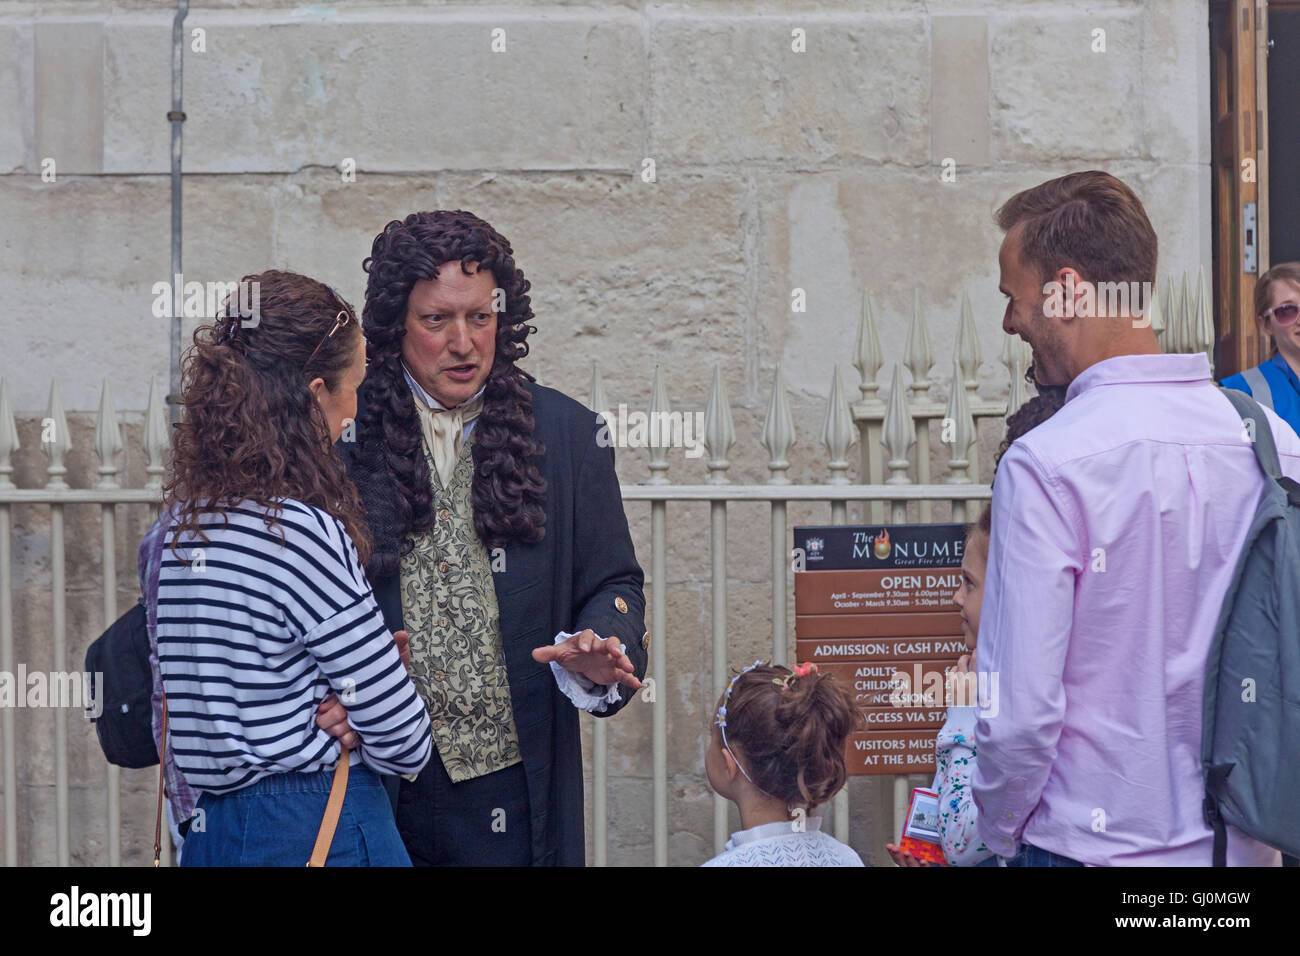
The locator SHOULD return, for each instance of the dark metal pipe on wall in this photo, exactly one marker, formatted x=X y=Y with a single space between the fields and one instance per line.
x=176 y=116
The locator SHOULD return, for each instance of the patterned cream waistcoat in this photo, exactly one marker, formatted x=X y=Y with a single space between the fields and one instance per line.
x=449 y=604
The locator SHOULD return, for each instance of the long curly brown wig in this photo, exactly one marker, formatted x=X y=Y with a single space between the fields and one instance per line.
x=508 y=491
x=251 y=429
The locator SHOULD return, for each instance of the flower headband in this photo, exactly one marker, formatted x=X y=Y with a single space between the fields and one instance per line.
x=721 y=718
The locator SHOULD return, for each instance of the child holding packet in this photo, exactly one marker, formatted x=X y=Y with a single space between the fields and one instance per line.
x=778 y=753
x=955 y=745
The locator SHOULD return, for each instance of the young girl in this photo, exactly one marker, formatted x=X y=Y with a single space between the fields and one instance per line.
x=955 y=745
x=778 y=754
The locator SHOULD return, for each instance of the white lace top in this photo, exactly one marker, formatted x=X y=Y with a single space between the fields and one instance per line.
x=780 y=844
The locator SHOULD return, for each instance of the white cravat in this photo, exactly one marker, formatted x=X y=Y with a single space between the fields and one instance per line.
x=445 y=429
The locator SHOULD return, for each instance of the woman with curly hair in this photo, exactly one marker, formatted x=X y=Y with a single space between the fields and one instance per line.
x=264 y=611
x=499 y=543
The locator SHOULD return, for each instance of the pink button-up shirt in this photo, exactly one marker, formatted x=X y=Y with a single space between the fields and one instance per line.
x=1117 y=525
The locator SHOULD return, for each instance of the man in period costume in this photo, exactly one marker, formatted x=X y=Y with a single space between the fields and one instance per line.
x=500 y=546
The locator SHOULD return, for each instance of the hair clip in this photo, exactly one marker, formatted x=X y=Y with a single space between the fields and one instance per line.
x=799 y=670
x=228 y=327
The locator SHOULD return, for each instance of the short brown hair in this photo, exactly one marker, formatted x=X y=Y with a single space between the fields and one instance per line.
x=1087 y=220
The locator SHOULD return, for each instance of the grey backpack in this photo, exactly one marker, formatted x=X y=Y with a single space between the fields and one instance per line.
x=1250 y=731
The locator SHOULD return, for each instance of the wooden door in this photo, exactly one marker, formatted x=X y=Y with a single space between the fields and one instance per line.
x=1239 y=181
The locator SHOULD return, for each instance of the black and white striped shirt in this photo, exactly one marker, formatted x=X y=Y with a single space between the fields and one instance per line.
x=253 y=632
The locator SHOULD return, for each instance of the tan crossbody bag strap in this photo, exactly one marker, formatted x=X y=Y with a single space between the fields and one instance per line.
x=333 y=807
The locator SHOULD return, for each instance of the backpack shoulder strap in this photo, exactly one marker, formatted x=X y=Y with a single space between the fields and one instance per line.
x=1259 y=387
x=1265 y=448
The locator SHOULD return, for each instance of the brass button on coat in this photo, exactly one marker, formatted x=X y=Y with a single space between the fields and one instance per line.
x=621 y=605
x=444 y=514
x=645 y=641
x=443 y=622
x=439 y=675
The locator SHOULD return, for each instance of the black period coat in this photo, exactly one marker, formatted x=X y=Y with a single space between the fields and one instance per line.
x=582 y=574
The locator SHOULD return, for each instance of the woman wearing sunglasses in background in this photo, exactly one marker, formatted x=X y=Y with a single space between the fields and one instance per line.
x=264 y=612
x=1276 y=383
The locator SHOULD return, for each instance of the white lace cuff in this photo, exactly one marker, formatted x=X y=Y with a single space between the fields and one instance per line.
x=585 y=693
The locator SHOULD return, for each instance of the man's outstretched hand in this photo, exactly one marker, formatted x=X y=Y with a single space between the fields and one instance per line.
x=600 y=661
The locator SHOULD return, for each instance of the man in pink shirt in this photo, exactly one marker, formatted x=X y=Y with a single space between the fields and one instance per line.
x=1117 y=525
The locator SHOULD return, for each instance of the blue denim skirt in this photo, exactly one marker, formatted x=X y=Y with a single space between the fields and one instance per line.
x=274 y=822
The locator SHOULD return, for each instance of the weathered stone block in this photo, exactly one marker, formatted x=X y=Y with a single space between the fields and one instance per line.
x=765 y=102
x=69 y=95
x=1054 y=97
x=287 y=94
x=138 y=95
x=1175 y=81
x=959 y=90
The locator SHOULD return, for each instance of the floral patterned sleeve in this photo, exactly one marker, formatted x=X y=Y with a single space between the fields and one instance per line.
x=955 y=755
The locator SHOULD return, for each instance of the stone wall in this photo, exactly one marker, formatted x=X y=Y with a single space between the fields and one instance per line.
x=821 y=170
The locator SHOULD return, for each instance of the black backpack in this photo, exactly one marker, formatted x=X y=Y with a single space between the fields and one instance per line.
x=121 y=678
x=122 y=683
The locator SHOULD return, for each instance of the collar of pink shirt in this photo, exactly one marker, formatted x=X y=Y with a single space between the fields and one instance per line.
x=1141 y=370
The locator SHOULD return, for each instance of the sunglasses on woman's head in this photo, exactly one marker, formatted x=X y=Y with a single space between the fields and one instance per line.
x=340 y=320
x=1283 y=314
